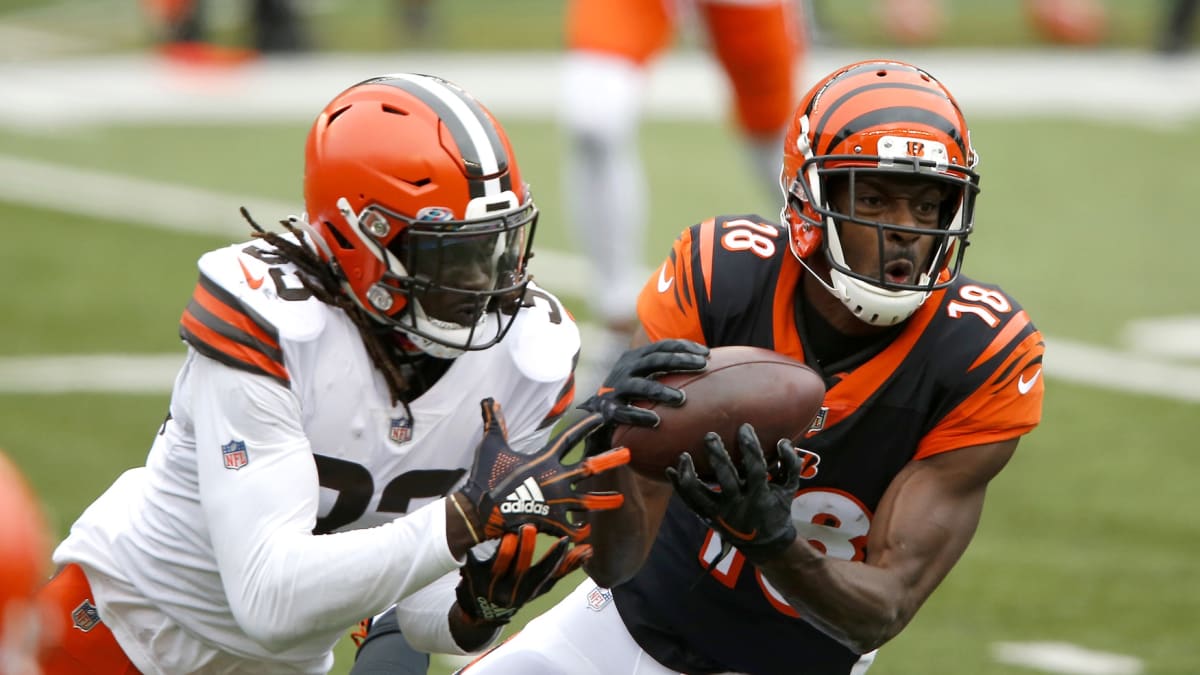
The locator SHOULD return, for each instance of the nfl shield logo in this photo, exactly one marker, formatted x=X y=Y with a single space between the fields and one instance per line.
x=401 y=430
x=85 y=616
x=235 y=455
x=598 y=598
x=818 y=422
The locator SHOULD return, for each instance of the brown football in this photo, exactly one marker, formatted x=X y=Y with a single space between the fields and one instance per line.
x=776 y=394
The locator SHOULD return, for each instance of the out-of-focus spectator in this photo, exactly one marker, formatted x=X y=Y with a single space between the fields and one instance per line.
x=276 y=26
x=1178 y=24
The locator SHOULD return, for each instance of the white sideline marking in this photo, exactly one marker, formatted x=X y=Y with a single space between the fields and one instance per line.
x=121 y=373
x=1132 y=87
x=1172 y=337
x=1064 y=657
x=1121 y=371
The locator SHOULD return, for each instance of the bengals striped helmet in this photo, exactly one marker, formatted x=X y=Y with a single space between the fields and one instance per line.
x=878 y=117
x=413 y=193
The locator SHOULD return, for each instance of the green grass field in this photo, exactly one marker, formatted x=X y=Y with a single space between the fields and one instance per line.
x=1090 y=536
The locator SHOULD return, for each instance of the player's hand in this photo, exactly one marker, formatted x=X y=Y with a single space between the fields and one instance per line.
x=753 y=510
x=507 y=489
x=631 y=379
x=493 y=589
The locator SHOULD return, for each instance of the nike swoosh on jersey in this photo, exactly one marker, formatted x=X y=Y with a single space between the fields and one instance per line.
x=664 y=284
x=1024 y=386
x=255 y=282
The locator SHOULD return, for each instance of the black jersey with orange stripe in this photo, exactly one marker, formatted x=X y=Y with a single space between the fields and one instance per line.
x=963 y=371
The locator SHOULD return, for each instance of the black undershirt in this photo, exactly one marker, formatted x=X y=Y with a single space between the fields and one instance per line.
x=829 y=351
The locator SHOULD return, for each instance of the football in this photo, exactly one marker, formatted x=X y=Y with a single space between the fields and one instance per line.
x=776 y=394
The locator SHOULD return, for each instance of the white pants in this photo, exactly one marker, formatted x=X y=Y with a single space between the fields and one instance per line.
x=582 y=635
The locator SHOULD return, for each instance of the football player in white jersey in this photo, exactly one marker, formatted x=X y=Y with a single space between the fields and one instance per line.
x=323 y=457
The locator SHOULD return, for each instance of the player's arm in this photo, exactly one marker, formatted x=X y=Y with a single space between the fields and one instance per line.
x=922 y=526
x=621 y=538
x=283 y=583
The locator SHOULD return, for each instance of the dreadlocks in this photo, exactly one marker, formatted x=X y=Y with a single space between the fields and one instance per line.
x=319 y=277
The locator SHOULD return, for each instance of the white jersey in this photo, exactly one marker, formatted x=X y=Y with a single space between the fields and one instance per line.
x=208 y=558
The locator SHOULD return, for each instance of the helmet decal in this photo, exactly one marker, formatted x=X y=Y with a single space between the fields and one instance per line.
x=485 y=161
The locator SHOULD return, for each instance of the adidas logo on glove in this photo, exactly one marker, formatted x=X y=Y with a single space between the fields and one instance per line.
x=527 y=498
x=490 y=611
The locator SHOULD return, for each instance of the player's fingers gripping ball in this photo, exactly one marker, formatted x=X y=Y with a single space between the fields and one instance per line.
x=509 y=489
x=493 y=589
x=632 y=378
x=777 y=394
x=753 y=508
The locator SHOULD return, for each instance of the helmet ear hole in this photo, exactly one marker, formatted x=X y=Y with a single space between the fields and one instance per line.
x=342 y=242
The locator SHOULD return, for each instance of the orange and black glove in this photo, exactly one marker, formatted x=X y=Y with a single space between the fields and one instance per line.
x=508 y=489
x=493 y=589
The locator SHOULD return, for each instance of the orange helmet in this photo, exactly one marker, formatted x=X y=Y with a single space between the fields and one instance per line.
x=24 y=554
x=878 y=117
x=412 y=193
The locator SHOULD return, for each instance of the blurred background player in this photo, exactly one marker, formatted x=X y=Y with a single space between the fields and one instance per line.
x=931 y=380
x=24 y=566
x=1178 y=25
x=276 y=27
x=323 y=457
x=611 y=44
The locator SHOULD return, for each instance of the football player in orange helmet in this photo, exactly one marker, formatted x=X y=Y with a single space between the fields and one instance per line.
x=412 y=260
x=24 y=562
x=828 y=152
x=932 y=378
x=324 y=456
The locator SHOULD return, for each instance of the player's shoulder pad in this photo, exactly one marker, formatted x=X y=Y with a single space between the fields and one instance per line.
x=266 y=285
x=980 y=325
x=734 y=255
x=248 y=304
x=543 y=340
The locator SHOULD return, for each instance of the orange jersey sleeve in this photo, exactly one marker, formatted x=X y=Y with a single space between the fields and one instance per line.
x=1007 y=404
x=667 y=305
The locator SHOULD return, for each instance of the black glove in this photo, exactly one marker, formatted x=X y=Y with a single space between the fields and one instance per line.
x=508 y=489
x=753 y=513
x=630 y=379
x=493 y=589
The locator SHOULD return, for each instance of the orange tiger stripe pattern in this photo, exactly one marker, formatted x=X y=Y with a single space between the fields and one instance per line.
x=869 y=92
x=219 y=326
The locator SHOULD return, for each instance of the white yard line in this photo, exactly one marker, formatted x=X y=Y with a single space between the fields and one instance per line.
x=1063 y=657
x=1133 y=87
